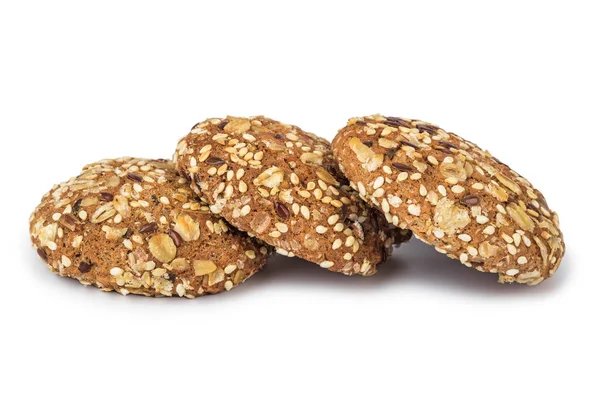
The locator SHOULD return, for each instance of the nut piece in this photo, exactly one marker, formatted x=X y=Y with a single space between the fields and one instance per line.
x=187 y=228
x=47 y=234
x=180 y=265
x=114 y=233
x=508 y=183
x=449 y=217
x=121 y=204
x=271 y=177
x=519 y=215
x=204 y=267
x=103 y=213
x=237 y=125
x=326 y=177
x=453 y=171
x=497 y=191
x=162 y=247
x=261 y=222
x=486 y=249
x=387 y=143
x=311 y=159
x=365 y=155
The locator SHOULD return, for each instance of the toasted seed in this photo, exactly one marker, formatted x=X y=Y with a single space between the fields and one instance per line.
x=42 y=254
x=447 y=144
x=204 y=267
x=84 y=267
x=134 y=177
x=470 y=200
x=162 y=247
x=105 y=196
x=402 y=167
x=282 y=210
x=214 y=161
x=405 y=143
x=427 y=128
x=149 y=228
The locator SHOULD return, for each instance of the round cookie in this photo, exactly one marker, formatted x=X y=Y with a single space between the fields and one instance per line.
x=452 y=195
x=133 y=225
x=281 y=184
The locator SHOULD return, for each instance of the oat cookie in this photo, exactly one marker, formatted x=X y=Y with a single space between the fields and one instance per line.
x=134 y=226
x=281 y=184
x=452 y=195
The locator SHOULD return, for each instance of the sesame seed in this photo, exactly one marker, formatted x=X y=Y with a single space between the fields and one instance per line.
x=489 y=230
x=245 y=210
x=457 y=189
x=402 y=176
x=350 y=241
x=333 y=219
x=512 y=272
x=337 y=244
x=464 y=237
x=378 y=182
x=522 y=260
x=414 y=209
x=66 y=261
x=482 y=219
x=321 y=229
x=438 y=233
x=281 y=227
x=378 y=193
x=336 y=203
x=294 y=178
x=230 y=268
x=326 y=264
x=305 y=212
x=361 y=188
x=116 y=271
x=385 y=206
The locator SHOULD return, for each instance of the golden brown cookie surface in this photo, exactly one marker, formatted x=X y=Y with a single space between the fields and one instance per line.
x=452 y=195
x=281 y=184
x=134 y=226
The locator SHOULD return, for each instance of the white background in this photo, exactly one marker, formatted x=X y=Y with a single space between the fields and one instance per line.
x=81 y=82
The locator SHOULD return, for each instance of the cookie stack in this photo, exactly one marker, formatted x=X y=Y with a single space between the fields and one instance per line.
x=239 y=188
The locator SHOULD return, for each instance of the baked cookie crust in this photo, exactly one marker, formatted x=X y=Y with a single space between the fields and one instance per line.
x=134 y=226
x=282 y=185
x=453 y=195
